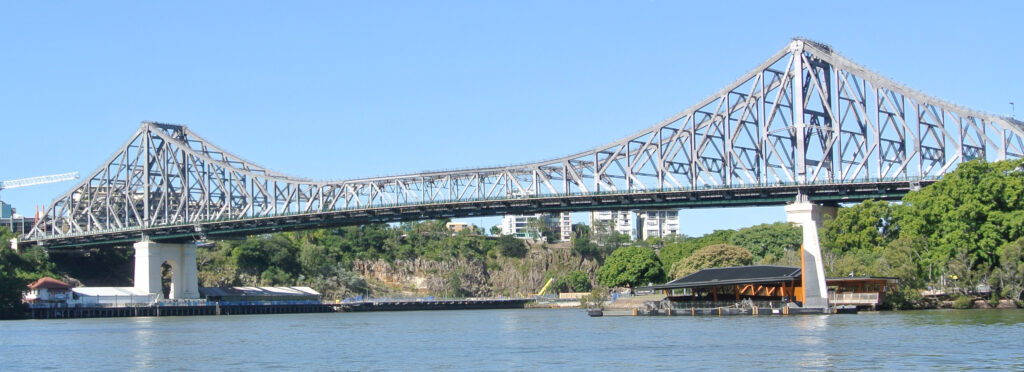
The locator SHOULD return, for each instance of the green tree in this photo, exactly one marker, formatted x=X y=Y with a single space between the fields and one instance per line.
x=581 y=231
x=595 y=299
x=717 y=255
x=495 y=230
x=509 y=246
x=607 y=239
x=631 y=265
x=867 y=225
x=275 y=276
x=1011 y=269
x=901 y=259
x=11 y=285
x=968 y=214
x=768 y=239
x=535 y=227
x=17 y=270
x=676 y=250
x=585 y=247
x=577 y=281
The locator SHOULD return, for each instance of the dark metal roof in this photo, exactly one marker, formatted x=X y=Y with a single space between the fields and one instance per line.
x=734 y=275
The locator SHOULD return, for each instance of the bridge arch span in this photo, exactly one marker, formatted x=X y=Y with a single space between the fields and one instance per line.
x=807 y=121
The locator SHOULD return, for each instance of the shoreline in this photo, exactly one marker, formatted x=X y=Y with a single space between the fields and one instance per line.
x=270 y=307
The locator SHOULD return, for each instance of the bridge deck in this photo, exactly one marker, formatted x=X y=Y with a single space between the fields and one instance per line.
x=687 y=198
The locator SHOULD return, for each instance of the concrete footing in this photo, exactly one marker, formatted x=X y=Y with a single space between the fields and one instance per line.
x=150 y=256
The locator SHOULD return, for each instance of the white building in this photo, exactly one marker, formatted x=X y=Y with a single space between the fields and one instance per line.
x=112 y=296
x=47 y=290
x=50 y=291
x=656 y=223
x=620 y=221
x=520 y=227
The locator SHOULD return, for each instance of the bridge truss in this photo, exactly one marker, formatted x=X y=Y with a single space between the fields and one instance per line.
x=806 y=121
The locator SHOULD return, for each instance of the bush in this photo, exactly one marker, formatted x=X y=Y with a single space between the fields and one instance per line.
x=509 y=246
x=993 y=302
x=963 y=302
x=577 y=281
x=596 y=298
x=904 y=299
x=631 y=266
x=585 y=248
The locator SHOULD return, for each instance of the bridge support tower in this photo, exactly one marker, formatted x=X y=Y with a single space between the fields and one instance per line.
x=810 y=216
x=150 y=256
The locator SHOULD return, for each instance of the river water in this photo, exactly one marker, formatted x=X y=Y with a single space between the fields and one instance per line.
x=519 y=340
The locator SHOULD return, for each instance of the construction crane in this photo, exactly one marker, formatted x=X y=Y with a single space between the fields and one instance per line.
x=40 y=180
x=545 y=288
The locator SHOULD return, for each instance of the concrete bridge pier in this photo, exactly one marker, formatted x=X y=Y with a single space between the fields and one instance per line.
x=149 y=256
x=810 y=216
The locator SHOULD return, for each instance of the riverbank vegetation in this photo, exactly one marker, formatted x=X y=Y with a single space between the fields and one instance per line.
x=16 y=272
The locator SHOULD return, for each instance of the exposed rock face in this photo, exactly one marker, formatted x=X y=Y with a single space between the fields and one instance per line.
x=462 y=277
x=527 y=276
x=417 y=277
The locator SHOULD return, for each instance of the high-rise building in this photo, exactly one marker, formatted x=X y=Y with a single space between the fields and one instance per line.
x=619 y=221
x=520 y=227
x=564 y=229
x=656 y=223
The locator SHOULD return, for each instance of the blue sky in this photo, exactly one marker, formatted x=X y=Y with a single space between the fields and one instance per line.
x=335 y=90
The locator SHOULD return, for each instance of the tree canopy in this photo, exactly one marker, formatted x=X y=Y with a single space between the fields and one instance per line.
x=770 y=239
x=634 y=265
x=978 y=207
x=716 y=255
x=17 y=270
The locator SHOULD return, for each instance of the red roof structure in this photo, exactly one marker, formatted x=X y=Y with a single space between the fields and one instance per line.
x=49 y=283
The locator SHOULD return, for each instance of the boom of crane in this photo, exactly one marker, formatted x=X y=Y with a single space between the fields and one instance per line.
x=545 y=288
x=32 y=181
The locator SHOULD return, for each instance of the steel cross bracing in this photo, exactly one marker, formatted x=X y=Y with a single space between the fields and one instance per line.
x=807 y=121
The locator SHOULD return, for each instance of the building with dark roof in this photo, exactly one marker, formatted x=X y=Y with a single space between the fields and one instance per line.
x=716 y=286
x=768 y=286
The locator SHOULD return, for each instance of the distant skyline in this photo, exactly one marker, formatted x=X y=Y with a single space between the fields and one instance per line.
x=339 y=90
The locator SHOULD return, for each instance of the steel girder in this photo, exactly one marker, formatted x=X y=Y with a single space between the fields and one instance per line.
x=806 y=116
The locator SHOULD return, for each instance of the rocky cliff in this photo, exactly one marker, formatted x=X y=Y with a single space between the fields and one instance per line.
x=461 y=277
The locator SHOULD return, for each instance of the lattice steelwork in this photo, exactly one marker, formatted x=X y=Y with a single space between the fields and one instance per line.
x=805 y=118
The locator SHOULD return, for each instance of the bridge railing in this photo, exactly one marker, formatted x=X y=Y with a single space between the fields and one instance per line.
x=493 y=199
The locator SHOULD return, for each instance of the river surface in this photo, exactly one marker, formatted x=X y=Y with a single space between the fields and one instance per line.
x=520 y=340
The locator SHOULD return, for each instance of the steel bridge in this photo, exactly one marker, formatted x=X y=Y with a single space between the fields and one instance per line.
x=807 y=121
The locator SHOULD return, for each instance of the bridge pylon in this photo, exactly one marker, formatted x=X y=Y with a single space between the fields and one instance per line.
x=810 y=216
x=149 y=258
